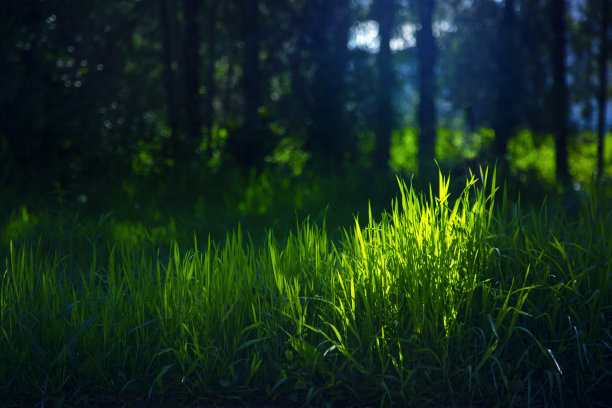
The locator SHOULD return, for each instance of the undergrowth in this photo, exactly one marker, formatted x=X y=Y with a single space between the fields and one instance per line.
x=444 y=300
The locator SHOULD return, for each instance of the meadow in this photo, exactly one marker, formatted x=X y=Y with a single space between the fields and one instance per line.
x=461 y=292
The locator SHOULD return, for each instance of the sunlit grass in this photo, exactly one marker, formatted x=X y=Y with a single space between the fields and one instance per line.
x=442 y=300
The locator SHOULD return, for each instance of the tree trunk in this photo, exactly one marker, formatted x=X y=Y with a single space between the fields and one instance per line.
x=168 y=76
x=209 y=113
x=385 y=10
x=250 y=147
x=325 y=41
x=191 y=70
x=426 y=49
x=560 y=104
x=603 y=88
x=506 y=115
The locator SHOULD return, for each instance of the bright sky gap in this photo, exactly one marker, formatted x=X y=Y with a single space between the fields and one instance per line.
x=363 y=35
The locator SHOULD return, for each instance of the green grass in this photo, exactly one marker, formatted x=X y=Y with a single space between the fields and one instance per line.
x=531 y=156
x=445 y=299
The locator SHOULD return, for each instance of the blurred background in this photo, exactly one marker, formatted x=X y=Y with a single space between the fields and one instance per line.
x=143 y=119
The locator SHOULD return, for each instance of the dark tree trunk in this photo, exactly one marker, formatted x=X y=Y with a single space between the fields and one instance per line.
x=426 y=49
x=249 y=149
x=325 y=41
x=603 y=88
x=506 y=116
x=211 y=38
x=168 y=75
x=560 y=104
x=191 y=71
x=384 y=13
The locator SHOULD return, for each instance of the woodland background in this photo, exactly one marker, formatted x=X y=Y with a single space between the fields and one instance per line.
x=189 y=100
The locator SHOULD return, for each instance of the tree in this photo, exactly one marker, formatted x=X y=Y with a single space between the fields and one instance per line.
x=73 y=98
x=470 y=63
x=209 y=81
x=603 y=87
x=251 y=149
x=384 y=12
x=559 y=91
x=166 y=55
x=319 y=67
x=426 y=50
x=191 y=71
x=508 y=86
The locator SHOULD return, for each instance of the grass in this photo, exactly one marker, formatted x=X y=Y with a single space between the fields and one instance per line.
x=444 y=300
x=158 y=209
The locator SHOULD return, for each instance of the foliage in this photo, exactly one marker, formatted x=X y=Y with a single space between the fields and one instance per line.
x=537 y=154
x=100 y=91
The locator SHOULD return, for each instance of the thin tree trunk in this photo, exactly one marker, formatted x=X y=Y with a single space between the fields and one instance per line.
x=251 y=149
x=209 y=119
x=328 y=49
x=426 y=49
x=385 y=10
x=505 y=118
x=168 y=76
x=603 y=88
x=560 y=104
x=191 y=70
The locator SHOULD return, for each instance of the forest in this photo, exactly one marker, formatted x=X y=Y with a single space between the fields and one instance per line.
x=290 y=203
